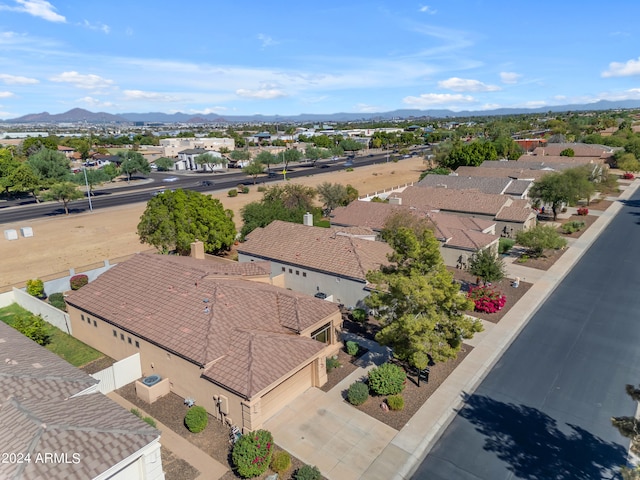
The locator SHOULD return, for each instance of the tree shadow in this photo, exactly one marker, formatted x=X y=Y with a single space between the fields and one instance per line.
x=534 y=448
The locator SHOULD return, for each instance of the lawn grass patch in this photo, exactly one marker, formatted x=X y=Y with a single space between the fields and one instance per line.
x=62 y=344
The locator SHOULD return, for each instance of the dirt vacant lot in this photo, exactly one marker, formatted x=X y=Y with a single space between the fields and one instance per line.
x=81 y=240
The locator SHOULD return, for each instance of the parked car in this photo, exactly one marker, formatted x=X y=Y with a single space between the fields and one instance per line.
x=206 y=183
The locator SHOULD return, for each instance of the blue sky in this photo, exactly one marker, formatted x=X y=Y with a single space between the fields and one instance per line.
x=285 y=57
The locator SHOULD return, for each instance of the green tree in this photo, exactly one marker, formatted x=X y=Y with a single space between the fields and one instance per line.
x=31 y=145
x=350 y=145
x=554 y=190
x=628 y=162
x=173 y=220
x=539 y=238
x=334 y=195
x=487 y=265
x=111 y=171
x=288 y=203
x=417 y=302
x=567 y=152
x=208 y=160
x=240 y=155
x=254 y=169
x=469 y=154
x=24 y=179
x=33 y=327
x=8 y=164
x=266 y=158
x=629 y=427
x=50 y=166
x=93 y=177
x=313 y=153
x=133 y=162
x=64 y=192
x=164 y=164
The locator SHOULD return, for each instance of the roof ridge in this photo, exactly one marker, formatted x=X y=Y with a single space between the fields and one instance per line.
x=356 y=254
x=209 y=305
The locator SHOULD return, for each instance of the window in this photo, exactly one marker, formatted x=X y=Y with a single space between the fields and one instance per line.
x=297 y=272
x=137 y=344
x=129 y=340
x=304 y=274
x=122 y=337
x=323 y=334
x=95 y=324
x=115 y=334
x=290 y=270
x=82 y=316
x=284 y=269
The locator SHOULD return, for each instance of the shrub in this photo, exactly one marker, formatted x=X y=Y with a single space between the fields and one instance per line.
x=150 y=421
x=136 y=412
x=245 y=189
x=196 y=419
x=349 y=169
x=523 y=258
x=387 y=379
x=538 y=238
x=583 y=211
x=573 y=226
x=359 y=315
x=628 y=176
x=33 y=327
x=78 y=281
x=358 y=393
x=281 y=462
x=262 y=188
x=395 y=402
x=251 y=454
x=332 y=363
x=57 y=300
x=352 y=348
x=233 y=192
x=486 y=299
x=307 y=472
x=505 y=244
x=35 y=288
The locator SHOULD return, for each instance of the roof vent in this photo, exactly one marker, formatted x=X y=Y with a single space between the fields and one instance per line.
x=206 y=310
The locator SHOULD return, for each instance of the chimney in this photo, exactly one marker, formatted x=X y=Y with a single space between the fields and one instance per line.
x=307 y=219
x=197 y=250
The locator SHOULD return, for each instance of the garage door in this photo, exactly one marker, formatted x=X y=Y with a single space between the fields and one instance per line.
x=277 y=398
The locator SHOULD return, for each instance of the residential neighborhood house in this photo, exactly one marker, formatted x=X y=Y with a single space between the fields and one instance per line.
x=220 y=334
x=54 y=424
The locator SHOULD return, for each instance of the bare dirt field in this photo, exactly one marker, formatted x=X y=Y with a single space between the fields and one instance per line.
x=78 y=241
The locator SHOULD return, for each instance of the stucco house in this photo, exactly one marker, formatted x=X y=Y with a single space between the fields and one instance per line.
x=509 y=214
x=331 y=262
x=496 y=185
x=218 y=333
x=187 y=160
x=53 y=412
x=459 y=237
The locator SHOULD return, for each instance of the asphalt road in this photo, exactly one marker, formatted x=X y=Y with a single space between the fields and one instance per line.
x=27 y=209
x=544 y=411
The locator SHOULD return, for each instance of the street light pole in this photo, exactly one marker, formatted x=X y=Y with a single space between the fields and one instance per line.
x=86 y=182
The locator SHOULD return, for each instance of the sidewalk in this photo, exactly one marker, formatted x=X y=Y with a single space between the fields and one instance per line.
x=209 y=468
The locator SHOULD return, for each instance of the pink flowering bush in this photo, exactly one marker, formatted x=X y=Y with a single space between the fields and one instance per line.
x=486 y=299
x=252 y=453
x=628 y=176
x=583 y=211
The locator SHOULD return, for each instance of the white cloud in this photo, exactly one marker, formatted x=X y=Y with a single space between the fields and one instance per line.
x=510 y=77
x=37 y=8
x=427 y=9
x=266 y=40
x=96 y=26
x=94 y=102
x=490 y=106
x=261 y=94
x=617 y=69
x=155 y=96
x=16 y=80
x=6 y=94
x=466 y=85
x=430 y=99
x=535 y=104
x=366 y=108
x=78 y=80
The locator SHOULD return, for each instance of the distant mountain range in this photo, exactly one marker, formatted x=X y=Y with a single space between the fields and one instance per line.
x=79 y=115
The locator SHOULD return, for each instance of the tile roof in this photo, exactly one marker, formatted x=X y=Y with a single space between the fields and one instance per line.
x=317 y=248
x=510 y=170
x=182 y=309
x=534 y=163
x=463 y=201
x=99 y=431
x=495 y=185
x=519 y=211
x=518 y=187
x=39 y=413
x=553 y=159
x=366 y=214
x=580 y=149
x=29 y=370
x=219 y=267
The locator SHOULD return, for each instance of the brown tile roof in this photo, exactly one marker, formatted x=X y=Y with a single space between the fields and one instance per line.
x=495 y=185
x=550 y=160
x=39 y=413
x=98 y=430
x=255 y=362
x=366 y=214
x=219 y=267
x=519 y=211
x=463 y=201
x=183 y=310
x=28 y=370
x=532 y=163
x=580 y=149
x=510 y=170
x=321 y=249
